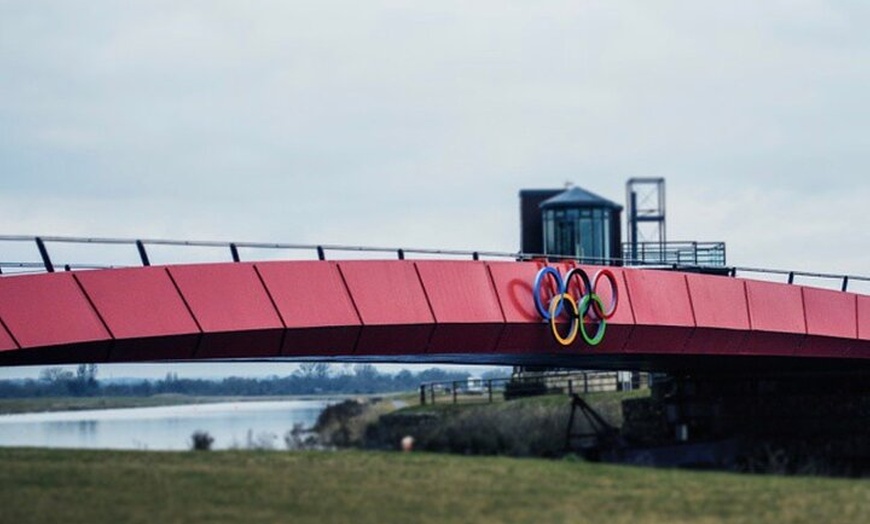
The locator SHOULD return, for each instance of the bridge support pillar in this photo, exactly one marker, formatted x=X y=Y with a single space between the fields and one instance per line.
x=791 y=424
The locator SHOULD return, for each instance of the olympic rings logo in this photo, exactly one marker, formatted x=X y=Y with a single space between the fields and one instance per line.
x=587 y=306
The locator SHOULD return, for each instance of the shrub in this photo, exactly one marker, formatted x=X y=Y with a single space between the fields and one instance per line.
x=300 y=438
x=201 y=441
x=344 y=424
x=521 y=429
x=515 y=429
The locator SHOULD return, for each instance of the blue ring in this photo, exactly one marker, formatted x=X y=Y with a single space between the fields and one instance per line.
x=544 y=311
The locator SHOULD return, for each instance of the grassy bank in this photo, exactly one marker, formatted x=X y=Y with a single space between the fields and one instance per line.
x=360 y=487
x=533 y=426
x=608 y=404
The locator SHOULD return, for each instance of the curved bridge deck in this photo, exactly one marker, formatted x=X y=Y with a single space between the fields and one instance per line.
x=421 y=311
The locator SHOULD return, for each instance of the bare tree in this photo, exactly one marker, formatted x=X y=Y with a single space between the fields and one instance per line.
x=55 y=375
x=314 y=370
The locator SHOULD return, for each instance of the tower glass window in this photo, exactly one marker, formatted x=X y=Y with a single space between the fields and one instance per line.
x=579 y=224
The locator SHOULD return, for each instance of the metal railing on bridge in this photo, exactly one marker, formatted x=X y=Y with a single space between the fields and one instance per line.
x=695 y=257
x=233 y=250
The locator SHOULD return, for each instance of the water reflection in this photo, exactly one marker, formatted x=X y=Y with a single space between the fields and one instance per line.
x=233 y=425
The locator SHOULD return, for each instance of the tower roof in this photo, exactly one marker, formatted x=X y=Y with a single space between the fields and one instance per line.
x=578 y=197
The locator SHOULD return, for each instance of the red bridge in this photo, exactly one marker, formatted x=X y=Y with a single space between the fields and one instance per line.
x=444 y=311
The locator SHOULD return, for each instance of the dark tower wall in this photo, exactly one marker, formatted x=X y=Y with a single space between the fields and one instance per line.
x=616 y=236
x=531 y=223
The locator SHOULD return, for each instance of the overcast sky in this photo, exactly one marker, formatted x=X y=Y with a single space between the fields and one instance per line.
x=416 y=123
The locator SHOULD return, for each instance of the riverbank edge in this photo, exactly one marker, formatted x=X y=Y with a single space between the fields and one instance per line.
x=16 y=406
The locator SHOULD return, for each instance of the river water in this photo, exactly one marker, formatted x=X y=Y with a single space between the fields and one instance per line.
x=260 y=424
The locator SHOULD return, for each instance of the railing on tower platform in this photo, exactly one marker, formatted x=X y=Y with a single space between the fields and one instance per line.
x=679 y=253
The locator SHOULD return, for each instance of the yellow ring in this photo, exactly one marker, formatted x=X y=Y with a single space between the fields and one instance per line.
x=575 y=321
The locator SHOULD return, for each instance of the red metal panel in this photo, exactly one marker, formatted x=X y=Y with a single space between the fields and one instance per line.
x=864 y=317
x=718 y=302
x=137 y=302
x=662 y=309
x=772 y=343
x=308 y=294
x=861 y=348
x=232 y=307
x=513 y=283
x=386 y=292
x=172 y=347
x=137 y=305
x=401 y=339
x=525 y=332
x=717 y=341
x=315 y=306
x=815 y=346
x=48 y=310
x=392 y=305
x=831 y=322
x=831 y=313
x=465 y=338
x=721 y=314
x=660 y=298
x=226 y=297
x=240 y=344
x=460 y=292
x=467 y=314
x=775 y=307
x=776 y=316
x=329 y=341
x=6 y=342
x=84 y=352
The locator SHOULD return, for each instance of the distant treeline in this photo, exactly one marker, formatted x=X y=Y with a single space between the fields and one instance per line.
x=310 y=378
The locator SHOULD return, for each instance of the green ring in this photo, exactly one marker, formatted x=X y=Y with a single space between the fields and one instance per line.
x=583 y=309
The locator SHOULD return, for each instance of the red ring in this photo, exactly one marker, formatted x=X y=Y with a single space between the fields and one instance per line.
x=614 y=295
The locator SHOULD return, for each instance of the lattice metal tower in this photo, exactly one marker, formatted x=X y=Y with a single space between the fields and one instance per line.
x=645 y=203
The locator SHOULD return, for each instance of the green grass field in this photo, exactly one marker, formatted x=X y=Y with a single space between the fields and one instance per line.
x=361 y=487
